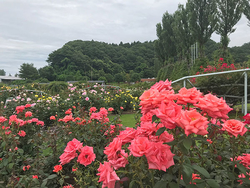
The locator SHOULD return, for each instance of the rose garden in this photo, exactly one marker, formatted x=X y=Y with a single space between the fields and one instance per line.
x=182 y=138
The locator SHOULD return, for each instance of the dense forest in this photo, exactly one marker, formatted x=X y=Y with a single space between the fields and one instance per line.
x=183 y=44
x=92 y=60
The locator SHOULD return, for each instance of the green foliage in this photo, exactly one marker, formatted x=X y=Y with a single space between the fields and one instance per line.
x=173 y=71
x=229 y=14
x=28 y=71
x=96 y=59
x=203 y=20
x=2 y=72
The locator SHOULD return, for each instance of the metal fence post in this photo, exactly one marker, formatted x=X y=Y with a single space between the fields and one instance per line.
x=245 y=93
x=184 y=83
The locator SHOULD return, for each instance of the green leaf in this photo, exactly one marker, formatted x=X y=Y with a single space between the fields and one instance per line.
x=20 y=151
x=154 y=118
x=187 y=174
x=11 y=165
x=5 y=162
x=201 y=170
x=191 y=186
x=173 y=185
x=160 y=131
x=132 y=184
x=187 y=143
x=161 y=184
x=61 y=181
x=241 y=168
x=212 y=183
x=52 y=176
x=44 y=183
x=3 y=144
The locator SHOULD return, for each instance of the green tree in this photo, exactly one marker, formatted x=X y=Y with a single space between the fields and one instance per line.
x=203 y=20
x=229 y=13
x=28 y=71
x=247 y=10
x=2 y=72
x=119 y=77
x=47 y=72
x=183 y=34
x=165 y=46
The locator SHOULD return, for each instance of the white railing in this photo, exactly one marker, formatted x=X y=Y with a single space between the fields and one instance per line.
x=244 y=98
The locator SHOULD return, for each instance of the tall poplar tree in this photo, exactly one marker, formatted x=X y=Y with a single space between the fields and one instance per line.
x=229 y=13
x=183 y=35
x=165 y=44
x=203 y=20
x=247 y=10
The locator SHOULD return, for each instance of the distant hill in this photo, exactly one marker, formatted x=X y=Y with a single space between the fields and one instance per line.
x=93 y=60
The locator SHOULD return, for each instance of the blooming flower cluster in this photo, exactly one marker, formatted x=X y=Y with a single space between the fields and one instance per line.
x=85 y=157
x=161 y=101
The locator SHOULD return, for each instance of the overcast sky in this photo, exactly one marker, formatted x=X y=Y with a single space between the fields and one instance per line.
x=31 y=29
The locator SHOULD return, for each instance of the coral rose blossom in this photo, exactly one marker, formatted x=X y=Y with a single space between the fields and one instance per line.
x=168 y=113
x=193 y=122
x=107 y=175
x=247 y=118
x=52 y=118
x=121 y=161
x=234 y=127
x=160 y=156
x=244 y=160
x=162 y=85
x=28 y=114
x=86 y=156
x=57 y=168
x=127 y=135
x=21 y=133
x=188 y=96
x=140 y=146
x=113 y=149
x=70 y=151
x=213 y=106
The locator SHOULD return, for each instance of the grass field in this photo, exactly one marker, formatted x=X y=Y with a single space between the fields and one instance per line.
x=128 y=120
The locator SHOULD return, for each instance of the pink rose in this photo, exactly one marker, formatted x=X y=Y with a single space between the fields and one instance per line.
x=234 y=127
x=140 y=146
x=113 y=149
x=28 y=114
x=244 y=160
x=162 y=85
x=21 y=133
x=193 y=122
x=86 y=156
x=70 y=151
x=168 y=113
x=107 y=175
x=247 y=118
x=160 y=156
x=188 y=96
x=213 y=106
x=127 y=135
x=120 y=161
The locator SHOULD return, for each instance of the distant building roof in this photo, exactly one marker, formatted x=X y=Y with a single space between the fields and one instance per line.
x=148 y=80
x=10 y=78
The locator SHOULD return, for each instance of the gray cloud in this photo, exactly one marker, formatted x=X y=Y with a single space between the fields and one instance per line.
x=32 y=29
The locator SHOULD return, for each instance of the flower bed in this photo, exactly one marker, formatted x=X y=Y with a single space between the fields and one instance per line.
x=184 y=139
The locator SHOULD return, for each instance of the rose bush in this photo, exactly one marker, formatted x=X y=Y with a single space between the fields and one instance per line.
x=184 y=139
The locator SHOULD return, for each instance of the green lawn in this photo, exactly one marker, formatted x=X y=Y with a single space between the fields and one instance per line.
x=128 y=120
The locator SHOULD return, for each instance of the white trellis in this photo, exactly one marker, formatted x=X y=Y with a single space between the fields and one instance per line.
x=244 y=98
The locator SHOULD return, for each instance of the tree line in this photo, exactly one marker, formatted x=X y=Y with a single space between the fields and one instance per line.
x=195 y=22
